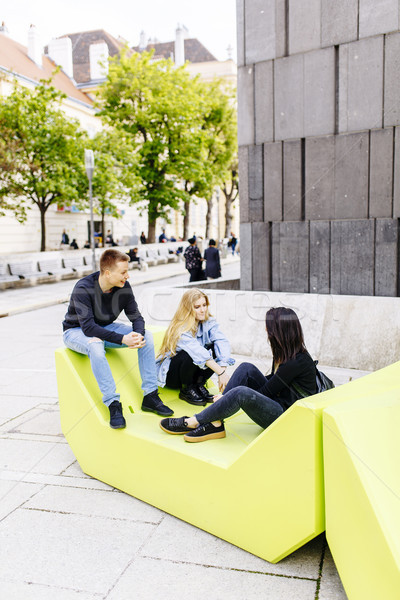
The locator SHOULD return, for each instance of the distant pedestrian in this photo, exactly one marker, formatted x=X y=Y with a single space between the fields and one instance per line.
x=162 y=238
x=232 y=242
x=213 y=264
x=64 y=238
x=193 y=261
x=110 y=239
x=142 y=238
x=74 y=245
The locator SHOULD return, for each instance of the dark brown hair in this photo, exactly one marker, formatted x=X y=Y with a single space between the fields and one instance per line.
x=109 y=259
x=284 y=334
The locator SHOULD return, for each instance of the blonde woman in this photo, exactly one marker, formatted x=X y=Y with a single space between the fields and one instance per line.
x=192 y=350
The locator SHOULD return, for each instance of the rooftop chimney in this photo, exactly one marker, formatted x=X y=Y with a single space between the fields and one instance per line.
x=179 y=46
x=143 y=41
x=98 y=53
x=60 y=50
x=34 y=48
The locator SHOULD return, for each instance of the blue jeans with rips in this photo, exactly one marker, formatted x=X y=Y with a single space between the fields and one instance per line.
x=240 y=393
x=76 y=340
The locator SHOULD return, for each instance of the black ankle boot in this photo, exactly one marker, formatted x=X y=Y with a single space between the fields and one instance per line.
x=153 y=403
x=191 y=394
x=203 y=391
x=117 y=420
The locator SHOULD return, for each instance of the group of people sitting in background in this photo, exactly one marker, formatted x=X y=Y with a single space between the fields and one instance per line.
x=193 y=349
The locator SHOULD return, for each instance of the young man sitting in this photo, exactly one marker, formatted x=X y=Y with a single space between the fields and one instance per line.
x=90 y=328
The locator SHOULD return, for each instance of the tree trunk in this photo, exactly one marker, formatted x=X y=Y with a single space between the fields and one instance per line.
x=103 y=233
x=228 y=215
x=42 y=227
x=210 y=204
x=151 y=234
x=186 y=219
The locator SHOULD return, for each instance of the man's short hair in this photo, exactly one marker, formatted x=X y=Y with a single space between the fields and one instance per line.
x=109 y=259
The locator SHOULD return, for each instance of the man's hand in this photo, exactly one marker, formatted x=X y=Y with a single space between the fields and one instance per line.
x=133 y=340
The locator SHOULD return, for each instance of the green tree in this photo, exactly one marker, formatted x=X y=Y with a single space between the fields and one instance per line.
x=217 y=124
x=115 y=178
x=158 y=104
x=41 y=153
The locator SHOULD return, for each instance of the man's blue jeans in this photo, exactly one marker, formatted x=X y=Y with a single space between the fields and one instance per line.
x=76 y=340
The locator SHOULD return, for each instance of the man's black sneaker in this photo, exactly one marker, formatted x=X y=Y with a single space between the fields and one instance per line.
x=203 y=391
x=175 y=426
x=191 y=394
x=117 y=420
x=205 y=432
x=153 y=403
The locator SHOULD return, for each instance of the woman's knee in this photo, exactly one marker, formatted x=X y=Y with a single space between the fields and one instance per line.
x=148 y=336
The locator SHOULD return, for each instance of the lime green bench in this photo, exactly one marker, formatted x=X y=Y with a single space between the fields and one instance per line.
x=260 y=490
x=362 y=489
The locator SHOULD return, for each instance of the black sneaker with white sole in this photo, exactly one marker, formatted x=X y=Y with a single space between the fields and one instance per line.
x=205 y=432
x=117 y=420
x=175 y=426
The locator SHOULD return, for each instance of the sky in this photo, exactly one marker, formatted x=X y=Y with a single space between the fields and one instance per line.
x=213 y=22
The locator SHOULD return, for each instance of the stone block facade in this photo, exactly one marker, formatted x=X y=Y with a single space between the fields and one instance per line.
x=319 y=145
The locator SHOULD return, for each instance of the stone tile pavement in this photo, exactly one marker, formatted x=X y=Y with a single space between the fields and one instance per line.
x=66 y=536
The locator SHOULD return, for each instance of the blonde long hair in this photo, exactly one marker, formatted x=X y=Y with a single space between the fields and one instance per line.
x=183 y=320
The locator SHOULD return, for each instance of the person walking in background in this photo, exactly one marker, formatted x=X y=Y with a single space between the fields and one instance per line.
x=142 y=238
x=74 y=245
x=232 y=243
x=64 y=238
x=193 y=261
x=162 y=237
x=213 y=264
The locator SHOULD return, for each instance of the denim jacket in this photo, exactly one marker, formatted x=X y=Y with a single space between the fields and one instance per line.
x=207 y=332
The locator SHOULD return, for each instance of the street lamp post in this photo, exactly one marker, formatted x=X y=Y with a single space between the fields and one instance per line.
x=89 y=166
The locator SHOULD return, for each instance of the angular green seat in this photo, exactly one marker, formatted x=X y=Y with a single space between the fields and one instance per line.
x=260 y=490
x=362 y=496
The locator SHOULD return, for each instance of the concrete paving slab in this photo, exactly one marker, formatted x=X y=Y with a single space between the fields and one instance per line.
x=29 y=591
x=41 y=420
x=56 y=480
x=95 y=503
x=86 y=553
x=74 y=470
x=149 y=578
x=13 y=494
x=28 y=383
x=184 y=543
x=12 y=407
x=331 y=587
x=37 y=457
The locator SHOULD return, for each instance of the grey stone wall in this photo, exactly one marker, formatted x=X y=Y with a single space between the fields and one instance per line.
x=319 y=145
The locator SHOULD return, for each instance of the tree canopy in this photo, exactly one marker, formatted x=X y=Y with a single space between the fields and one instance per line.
x=176 y=122
x=41 y=153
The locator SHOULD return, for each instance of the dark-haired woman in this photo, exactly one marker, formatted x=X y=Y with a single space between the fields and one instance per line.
x=262 y=398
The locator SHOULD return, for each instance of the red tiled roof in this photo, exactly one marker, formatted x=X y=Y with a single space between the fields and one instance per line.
x=194 y=50
x=14 y=57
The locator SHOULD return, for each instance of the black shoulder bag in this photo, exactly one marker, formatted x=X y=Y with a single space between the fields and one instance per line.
x=323 y=383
